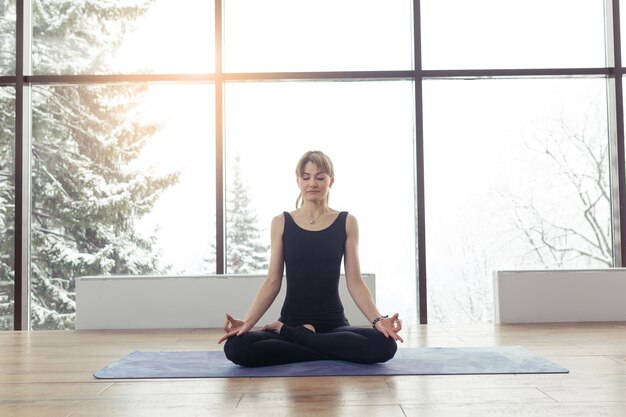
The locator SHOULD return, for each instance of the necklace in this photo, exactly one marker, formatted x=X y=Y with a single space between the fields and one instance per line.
x=312 y=220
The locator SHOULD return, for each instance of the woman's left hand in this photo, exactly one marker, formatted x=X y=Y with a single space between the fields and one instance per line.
x=390 y=327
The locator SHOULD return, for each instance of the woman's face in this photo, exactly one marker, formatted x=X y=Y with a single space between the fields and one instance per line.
x=314 y=183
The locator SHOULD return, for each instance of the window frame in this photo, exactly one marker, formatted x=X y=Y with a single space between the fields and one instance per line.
x=23 y=80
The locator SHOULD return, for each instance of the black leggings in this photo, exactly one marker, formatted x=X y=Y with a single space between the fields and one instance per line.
x=298 y=344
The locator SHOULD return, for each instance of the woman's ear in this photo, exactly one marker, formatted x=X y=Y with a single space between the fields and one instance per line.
x=332 y=181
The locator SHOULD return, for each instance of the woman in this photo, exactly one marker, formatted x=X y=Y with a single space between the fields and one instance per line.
x=311 y=242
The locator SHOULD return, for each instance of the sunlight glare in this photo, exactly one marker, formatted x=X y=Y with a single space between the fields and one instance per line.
x=172 y=37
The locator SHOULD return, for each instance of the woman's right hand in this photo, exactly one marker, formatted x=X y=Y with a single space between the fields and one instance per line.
x=233 y=327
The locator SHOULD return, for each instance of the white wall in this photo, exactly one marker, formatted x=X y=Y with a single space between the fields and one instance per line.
x=146 y=302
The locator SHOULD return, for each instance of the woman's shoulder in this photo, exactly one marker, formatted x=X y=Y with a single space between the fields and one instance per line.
x=351 y=222
x=349 y=216
x=278 y=225
x=280 y=218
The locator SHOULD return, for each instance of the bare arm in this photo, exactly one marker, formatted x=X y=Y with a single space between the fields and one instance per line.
x=269 y=289
x=357 y=288
x=271 y=286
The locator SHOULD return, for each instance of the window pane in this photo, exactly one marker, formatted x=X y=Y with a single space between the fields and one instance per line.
x=123 y=183
x=517 y=177
x=298 y=35
x=622 y=13
x=92 y=37
x=7 y=206
x=461 y=34
x=367 y=130
x=7 y=37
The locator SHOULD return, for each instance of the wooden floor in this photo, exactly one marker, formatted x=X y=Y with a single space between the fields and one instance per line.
x=50 y=374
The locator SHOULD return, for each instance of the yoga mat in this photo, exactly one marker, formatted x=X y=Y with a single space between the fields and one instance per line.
x=415 y=361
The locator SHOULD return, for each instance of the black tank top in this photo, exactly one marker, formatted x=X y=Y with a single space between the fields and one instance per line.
x=313 y=266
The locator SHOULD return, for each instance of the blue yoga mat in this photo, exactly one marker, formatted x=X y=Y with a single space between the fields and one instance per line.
x=416 y=361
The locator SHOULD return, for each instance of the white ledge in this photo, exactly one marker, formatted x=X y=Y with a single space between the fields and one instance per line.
x=166 y=302
x=550 y=296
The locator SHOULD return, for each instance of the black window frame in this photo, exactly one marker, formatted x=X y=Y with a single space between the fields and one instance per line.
x=23 y=80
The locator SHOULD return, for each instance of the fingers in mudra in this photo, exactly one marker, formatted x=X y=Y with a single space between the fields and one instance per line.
x=397 y=323
x=391 y=326
x=231 y=323
x=227 y=336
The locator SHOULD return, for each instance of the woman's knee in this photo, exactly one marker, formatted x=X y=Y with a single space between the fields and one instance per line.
x=383 y=349
x=379 y=349
x=236 y=351
x=388 y=349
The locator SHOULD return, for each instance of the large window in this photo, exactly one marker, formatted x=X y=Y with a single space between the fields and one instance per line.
x=367 y=130
x=7 y=37
x=7 y=206
x=163 y=138
x=479 y=34
x=525 y=185
x=116 y=171
x=91 y=37
x=322 y=35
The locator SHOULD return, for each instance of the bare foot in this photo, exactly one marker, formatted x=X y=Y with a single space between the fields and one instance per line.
x=310 y=327
x=274 y=326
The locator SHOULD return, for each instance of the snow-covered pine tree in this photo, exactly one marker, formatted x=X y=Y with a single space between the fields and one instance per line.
x=245 y=253
x=85 y=198
x=85 y=201
x=7 y=135
x=7 y=212
x=7 y=37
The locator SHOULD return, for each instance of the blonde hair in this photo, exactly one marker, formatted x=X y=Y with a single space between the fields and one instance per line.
x=321 y=160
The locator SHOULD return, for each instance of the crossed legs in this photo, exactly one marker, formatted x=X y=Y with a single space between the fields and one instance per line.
x=299 y=344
